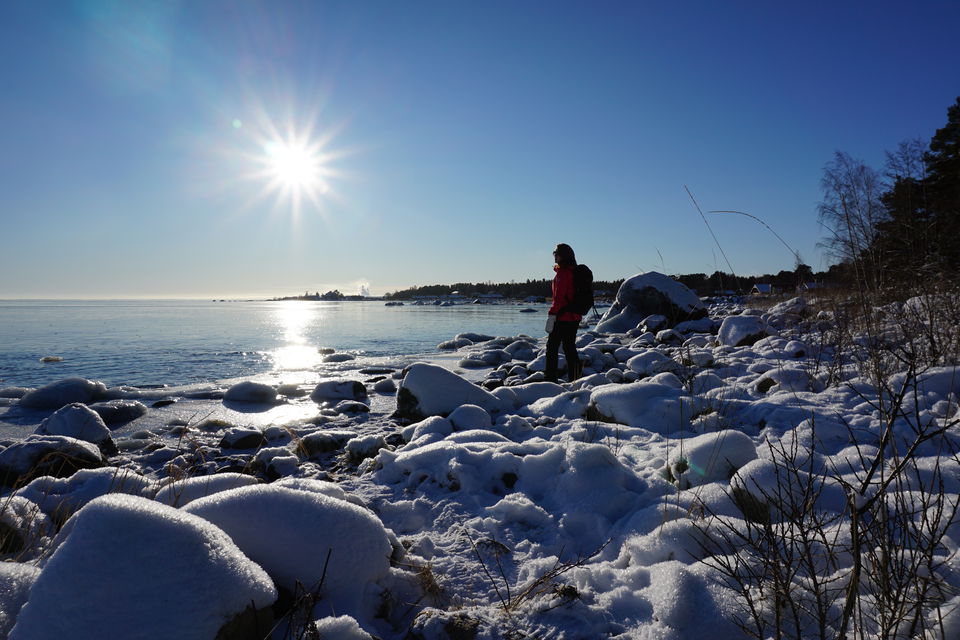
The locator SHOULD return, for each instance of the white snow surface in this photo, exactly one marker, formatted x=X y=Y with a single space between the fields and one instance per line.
x=585 y=504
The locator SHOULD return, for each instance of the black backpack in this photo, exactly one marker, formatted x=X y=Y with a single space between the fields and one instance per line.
x=582 y=290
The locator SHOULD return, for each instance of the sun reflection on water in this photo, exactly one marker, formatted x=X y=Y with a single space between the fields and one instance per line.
x=296 y=354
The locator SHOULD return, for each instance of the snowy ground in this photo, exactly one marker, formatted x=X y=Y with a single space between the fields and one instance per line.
x=508 y=508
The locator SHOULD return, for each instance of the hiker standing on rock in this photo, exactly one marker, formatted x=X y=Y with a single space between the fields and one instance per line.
x=563 y=322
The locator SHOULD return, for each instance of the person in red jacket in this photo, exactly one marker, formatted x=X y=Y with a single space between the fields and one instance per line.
x=562 y=324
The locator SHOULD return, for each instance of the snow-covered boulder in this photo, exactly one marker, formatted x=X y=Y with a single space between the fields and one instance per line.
x=61 y=393
x=385 y=386
x=79 y=421
x=252 y=392
x=649 y=294
x=185 y=491
x=337 y=390
x=430 y=390
x=653 y=405
x=792 y=379
x=128 y=567
x=711 y=457
x=570 y=405
x=16 y=579
x=652 y=362
x=35 y=456
x=470 y=416
x=311 y=537
x=797 y=306
x=741 y=331
x=363 y=447
x=62 y=497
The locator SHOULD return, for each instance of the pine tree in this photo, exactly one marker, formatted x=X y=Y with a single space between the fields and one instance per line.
x=943 y=187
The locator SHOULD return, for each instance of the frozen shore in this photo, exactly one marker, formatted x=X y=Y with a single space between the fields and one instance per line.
x=490 y=505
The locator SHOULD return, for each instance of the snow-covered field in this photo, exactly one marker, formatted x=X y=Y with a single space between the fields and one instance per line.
x=464 y=497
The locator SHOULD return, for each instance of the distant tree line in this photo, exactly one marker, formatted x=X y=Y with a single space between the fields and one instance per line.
x=899 y=226
x=718 y=283
x=515 y=290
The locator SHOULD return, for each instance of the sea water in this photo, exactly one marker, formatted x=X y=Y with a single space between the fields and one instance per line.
x=177 y=342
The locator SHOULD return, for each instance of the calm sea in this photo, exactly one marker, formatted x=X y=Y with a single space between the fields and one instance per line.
x=175 y=342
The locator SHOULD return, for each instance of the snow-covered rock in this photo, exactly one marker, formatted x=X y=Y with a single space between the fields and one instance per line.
x=62 y=392
x=429 y=390
x=648 y=294
x=711 y=457
x=742 y=330
x=341 y=628
x=35 y=456
x=252 y=392
x=796 y=306
x=363 y=447
x=653 y=405
x=336 y=390
x=61 y=497
x=311 y=537
x=78 y=421
x=652 y=362
x=470 y=416
x=186 y=490
x=127 y=566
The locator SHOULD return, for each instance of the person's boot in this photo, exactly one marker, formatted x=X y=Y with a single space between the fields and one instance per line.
x=576 y=370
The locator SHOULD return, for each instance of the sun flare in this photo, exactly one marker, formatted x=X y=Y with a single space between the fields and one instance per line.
x=292 y=165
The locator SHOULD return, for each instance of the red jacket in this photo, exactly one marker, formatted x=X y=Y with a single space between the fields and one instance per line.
x=563 y=294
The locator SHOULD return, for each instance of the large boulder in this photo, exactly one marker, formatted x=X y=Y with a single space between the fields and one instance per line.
x=128 y=567
x=649 y=294
x=429 y=390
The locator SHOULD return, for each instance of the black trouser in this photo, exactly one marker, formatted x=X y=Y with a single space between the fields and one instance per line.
x=565 y=333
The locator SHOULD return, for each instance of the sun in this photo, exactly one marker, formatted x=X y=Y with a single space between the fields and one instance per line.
x=292 y=165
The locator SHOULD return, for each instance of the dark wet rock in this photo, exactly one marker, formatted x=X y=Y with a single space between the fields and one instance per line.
x=351 y=406
x=119 y=411
x=321 y=442
x=243 y=438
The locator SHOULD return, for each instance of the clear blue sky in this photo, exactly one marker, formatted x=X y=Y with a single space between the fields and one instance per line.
x=446 y=141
